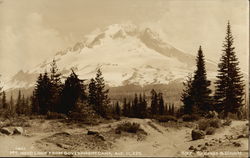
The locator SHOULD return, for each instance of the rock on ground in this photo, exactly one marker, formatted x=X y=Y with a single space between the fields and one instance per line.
x=6 y=131
x=92 y=133
x=198 y=134
x=18 y=130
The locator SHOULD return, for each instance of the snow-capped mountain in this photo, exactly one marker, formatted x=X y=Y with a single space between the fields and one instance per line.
x=126 y=54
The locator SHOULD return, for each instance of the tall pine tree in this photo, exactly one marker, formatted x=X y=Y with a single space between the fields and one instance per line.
x=161 y=103
x=117 y=109
x=144 y=106
x=4 y=103
x=24 y=106
x=92 y=93
x=73 y=91
x=45 y=96
x=172 y=109
x=19 y=107
x=42 y=95
x=125 y=110
x=11 y=105
x=135 y=106
x=229 y=84
x=56 y=86
x=187 y=96
x=102 y=100
x=166 y=110
x=154 y=102
x=37 y=94
x=200 y=86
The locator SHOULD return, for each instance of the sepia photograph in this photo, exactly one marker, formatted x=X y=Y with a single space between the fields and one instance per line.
x=124 y=78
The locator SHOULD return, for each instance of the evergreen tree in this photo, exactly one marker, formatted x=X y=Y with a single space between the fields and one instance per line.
x=129 y=113
x=154 y=102
x=42 y=95
x=172 y=110
x=4 y=103
x=1 y=93
x=92 y=92
x=139 y=107
x=24 y=106
x=73 y=91
x=166 y=109
x=11 y=105
x=55 y=76
x=27 y=103
x=200 y=85
x=113 y=108
x=45 y=96
x=117 y=109
x=144 y=106
x=135 y=106
x=37 y=95
x=229 y=84
x=102 y=99
x=187 y=96
x=125 y=110
x=56 y=86
x=34 y=103
x=161 y=103
x=19 y=103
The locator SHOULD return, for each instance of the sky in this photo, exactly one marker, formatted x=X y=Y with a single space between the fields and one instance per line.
x=33 y=30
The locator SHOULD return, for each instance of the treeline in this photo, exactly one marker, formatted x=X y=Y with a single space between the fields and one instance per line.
x=20 y=106
x=51 y=95
x=229 y=93
x=139 y=107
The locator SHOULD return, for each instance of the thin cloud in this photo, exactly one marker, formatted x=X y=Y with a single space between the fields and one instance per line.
x=28 y=44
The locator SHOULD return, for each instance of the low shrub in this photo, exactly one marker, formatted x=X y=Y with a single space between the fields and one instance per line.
x=204 y=124
x=78 y=116
x=165 y=118
x=210 y=131
x=216 y=123
x=19 y=122
x=84 y=113
x=129 y=127
x=232 y=116
x=7 y=114
x=192 y=117
x=36 y=116
x=116 y=117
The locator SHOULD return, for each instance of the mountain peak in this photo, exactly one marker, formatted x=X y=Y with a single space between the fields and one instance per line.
x=126 y=28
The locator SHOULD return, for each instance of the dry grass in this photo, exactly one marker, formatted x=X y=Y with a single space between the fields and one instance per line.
x=78 y=141
x=176 y=125
x=55 y=115
x=209 y=125
x=210 y=131
x=129 y=127
x=17 y=121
